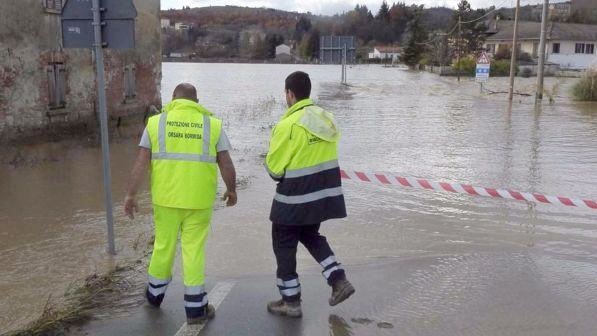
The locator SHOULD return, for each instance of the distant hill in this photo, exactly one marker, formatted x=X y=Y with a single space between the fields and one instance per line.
x=245 y=32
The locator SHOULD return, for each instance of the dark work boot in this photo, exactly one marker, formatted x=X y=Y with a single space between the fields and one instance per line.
x=155 y=301
x=209 y=314
x=341 y=290
x=283 y=308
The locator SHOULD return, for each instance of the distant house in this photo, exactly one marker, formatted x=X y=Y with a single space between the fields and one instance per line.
x=165 y=23
x=182 y=26
x=386 y=53
x=570 y=45
x=284 y=53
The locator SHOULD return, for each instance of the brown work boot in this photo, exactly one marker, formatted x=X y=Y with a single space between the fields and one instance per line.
x=283 y=308
x=341 y=290
x=209 y=314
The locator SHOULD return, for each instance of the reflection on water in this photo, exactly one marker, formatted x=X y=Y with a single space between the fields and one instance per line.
x=52 y=230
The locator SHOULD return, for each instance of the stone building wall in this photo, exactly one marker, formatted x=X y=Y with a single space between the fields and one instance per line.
x=31 y=54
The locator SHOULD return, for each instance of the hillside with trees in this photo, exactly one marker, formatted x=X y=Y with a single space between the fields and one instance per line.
x=427 y=35
x=253 y=33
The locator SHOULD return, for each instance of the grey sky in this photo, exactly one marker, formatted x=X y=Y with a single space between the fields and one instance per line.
x=329 y=7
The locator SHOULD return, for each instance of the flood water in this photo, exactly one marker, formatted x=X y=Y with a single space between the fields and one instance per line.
x=52 y=230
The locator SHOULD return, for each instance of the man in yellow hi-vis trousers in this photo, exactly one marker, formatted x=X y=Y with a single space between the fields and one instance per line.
x=184 y=144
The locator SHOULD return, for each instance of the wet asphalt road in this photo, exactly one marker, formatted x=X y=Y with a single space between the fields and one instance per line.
x=430 y=295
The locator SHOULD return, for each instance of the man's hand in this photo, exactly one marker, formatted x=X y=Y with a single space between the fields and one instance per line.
x=130 y=206
x=230 y=198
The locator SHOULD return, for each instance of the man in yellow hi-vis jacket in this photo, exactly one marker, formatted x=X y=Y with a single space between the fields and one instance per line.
x=183 y=145
x=303 y=158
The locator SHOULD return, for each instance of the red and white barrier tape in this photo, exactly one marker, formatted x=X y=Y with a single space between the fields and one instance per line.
x=467 y=189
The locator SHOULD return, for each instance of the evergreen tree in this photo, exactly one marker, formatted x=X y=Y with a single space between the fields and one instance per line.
x=415 y=42
x=303 y=26
x=384 y=12
x=472 y=32
x=271 y=42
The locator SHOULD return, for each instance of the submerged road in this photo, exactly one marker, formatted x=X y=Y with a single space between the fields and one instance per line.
x=474 y=294
x=423 y=263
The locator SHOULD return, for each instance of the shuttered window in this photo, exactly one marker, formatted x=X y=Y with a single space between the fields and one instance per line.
x=130 y=89
x=53 y=6
x=56 y=85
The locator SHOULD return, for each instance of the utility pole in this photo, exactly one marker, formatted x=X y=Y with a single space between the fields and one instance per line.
x=513 y=65
x=540 y=71
x=103 y=116
x=459 y=49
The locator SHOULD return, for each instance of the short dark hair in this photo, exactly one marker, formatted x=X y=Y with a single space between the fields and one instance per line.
x=185 y=91
x=300 y=84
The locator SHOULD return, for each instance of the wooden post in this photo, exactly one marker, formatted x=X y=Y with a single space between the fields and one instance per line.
x=514 y=52
x=540 y=70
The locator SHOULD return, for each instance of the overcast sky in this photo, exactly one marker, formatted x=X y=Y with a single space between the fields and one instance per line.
x=329 y=7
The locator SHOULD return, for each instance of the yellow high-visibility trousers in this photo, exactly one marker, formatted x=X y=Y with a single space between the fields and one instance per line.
x=193 y=226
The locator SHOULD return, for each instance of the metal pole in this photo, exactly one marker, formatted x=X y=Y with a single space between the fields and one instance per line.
x=514 y=52
x=540 y=71
x=344 y=61
x=459 y=49
x=103 y=117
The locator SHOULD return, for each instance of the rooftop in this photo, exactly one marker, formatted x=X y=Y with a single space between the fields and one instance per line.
x=528 y=30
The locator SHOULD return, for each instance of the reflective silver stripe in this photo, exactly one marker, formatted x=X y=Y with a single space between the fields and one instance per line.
x=331 y=192
x=194 y=290
x=162 y=133
x=196 y=304
x=206 y=134
x=328 y=261
x=184 y=157
x=289 y=283
x=327 y=273
x=157 y=291
x=312 y=170
x=156 y=281
x=272 y=173
x=290 y=291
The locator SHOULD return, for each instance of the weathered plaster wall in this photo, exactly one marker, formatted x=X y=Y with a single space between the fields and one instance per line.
x=30 y=39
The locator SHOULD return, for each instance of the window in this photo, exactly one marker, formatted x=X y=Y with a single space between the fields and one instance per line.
x=579 y=48
x=491 y=48
x=53 y=6
x=56 y=85
x=555 y=48
x=130 y=91
x=589 y=48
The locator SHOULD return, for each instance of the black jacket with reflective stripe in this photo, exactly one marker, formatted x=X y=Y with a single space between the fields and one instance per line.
x=309 y=199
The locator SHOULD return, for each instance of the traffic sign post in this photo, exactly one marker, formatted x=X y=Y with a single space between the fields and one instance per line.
x=482 y=70
x=95 y=25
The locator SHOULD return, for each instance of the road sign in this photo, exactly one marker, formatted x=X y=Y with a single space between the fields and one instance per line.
x=483 y=68
x=483 y=59
x=118 y=24
x=97 y=24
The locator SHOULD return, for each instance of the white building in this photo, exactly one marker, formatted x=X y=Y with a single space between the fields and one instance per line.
x=165 y=23
x=284 y=53
x=385 y=53
x=182 y=26
x=570 y=45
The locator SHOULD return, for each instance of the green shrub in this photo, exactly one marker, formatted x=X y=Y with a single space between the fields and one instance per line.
x=500 y=68
x=467 y=66
x=586 y=88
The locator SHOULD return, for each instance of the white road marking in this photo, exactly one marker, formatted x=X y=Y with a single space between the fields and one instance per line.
x=216 y=296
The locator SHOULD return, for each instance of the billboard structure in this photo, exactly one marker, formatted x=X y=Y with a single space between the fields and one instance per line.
x=332 y=49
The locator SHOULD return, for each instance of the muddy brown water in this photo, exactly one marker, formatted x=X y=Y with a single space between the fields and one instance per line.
x=52 y=229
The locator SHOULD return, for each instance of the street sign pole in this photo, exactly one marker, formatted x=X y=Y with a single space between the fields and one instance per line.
x=103 y=117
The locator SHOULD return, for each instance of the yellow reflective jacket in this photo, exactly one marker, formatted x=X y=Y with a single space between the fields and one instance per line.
x=183 y=156
x=303 y=158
